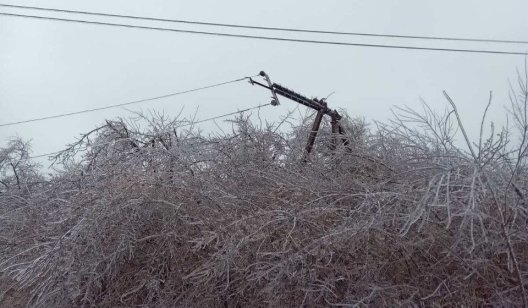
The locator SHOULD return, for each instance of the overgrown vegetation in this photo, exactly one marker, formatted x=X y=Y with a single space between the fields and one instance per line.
x=165 y=216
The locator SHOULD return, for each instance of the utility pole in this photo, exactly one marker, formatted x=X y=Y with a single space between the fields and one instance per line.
x=319 y=105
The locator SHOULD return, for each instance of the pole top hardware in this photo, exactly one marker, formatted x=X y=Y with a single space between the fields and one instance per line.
x=319 y=105
x=274 y=98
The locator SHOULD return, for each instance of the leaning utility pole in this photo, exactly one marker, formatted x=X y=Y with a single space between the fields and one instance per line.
x=319 y=105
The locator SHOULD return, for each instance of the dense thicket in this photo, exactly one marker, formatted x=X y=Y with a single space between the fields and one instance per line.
x=164 y=216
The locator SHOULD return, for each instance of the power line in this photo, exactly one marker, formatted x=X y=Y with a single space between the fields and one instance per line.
x=283 y=39
x=225 y=115
x=180 y=126
x=122 y=104
x=444 y=38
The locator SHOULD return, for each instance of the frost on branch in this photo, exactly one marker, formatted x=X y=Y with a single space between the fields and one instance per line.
x=411 y=213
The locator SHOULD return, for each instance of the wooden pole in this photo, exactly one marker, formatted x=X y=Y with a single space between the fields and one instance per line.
x=313 y=134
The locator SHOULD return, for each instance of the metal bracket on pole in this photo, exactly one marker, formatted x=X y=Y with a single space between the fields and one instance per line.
x=275 y=99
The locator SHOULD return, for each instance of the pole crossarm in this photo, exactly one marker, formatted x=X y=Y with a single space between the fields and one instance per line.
x=319 y=105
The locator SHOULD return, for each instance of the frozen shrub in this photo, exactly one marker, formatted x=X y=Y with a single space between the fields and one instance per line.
x=165 y=216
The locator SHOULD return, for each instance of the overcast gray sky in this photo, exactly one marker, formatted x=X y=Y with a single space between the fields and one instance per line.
x=52 y=67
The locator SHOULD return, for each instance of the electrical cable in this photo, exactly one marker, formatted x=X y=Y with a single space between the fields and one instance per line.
x=269 y=37
x=184 y=125
x=122 y=104
x=202 y=23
